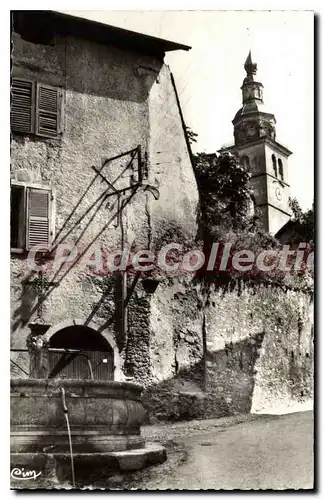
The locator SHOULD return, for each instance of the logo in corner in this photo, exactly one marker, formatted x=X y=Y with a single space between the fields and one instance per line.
x=23 y=475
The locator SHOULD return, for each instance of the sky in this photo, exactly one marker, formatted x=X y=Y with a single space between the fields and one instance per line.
x=210 y=75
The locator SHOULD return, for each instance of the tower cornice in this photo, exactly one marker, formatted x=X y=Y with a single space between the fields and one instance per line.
x=252 y=82
x=246 y=115
x=279 y=148
x=274 y=144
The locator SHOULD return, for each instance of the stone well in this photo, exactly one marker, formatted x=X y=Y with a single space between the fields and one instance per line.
x=105 y=420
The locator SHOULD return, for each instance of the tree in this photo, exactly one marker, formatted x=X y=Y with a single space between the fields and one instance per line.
x=304 y=223
x=224 y=193
x=223 y=186
x=225 y=218
x=191 y=135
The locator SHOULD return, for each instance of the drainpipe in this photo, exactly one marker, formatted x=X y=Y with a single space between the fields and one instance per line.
x=123 y=310
x=204 y=339
x=123 y=306
x=182 y=120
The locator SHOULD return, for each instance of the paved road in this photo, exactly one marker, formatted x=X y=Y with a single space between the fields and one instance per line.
x=272 y=452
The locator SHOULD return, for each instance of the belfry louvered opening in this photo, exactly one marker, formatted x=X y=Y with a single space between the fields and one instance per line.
x=35 y=108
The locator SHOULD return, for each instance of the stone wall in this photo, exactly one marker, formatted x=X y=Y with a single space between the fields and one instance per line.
x=261 y=352
x=258 y=354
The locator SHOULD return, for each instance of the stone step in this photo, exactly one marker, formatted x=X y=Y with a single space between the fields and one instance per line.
x=151 y=454
x=53 y=470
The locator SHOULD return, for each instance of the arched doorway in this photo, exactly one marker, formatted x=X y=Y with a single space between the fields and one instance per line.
x=79 y=352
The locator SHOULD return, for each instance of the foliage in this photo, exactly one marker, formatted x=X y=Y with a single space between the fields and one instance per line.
x=191 y=135
x=304 y=227
x=40 y=284
x=224 y=193
x=226 y=218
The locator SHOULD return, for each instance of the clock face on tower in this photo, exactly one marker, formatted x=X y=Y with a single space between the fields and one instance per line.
x=278 y=193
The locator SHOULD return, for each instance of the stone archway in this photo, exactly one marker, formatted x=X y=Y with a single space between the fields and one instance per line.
x=76 y=331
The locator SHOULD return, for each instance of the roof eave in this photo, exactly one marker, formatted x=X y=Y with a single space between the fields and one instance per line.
x=100 y=32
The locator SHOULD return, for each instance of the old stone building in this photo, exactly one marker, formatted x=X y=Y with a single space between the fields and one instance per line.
x=100 y=160
x=259 y=150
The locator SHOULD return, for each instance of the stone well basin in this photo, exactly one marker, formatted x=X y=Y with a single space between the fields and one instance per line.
x=103 y=416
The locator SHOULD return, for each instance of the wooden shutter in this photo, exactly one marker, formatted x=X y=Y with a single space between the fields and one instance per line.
x=22 y=106
x=38 y=217
x=48 y=104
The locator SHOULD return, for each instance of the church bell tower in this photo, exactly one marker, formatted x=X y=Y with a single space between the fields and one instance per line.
x=262 y=154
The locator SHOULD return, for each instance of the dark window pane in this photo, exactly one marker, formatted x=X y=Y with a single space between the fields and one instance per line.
x=16 y=216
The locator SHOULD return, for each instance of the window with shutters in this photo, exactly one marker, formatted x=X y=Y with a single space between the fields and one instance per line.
x=35 y=108
x=31 y=218
x=22 y=105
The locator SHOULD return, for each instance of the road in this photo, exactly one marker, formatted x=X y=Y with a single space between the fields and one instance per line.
x=273 y=452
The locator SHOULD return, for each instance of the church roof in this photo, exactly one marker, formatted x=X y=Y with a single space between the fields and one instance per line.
x=252 y=107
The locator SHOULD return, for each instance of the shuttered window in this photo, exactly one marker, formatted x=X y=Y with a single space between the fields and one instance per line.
x=47 y=111
x=38 y=209
x=31 y=217
x=35 y=108
x=22 y=105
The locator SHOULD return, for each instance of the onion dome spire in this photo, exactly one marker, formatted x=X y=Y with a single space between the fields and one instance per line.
x=249 y=66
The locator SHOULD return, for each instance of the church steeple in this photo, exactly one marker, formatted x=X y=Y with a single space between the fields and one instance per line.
x=259 y=151
x=252 y=121
x=251 y=89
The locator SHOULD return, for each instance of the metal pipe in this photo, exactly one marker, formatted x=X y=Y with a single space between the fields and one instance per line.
x=89 y=363
x=66 y=414
x=90 y=368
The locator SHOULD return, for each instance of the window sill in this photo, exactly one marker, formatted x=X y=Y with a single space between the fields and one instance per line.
x=36 y=136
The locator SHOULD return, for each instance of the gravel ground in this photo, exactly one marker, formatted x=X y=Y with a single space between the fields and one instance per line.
x=165 y=432
x=171 y=436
